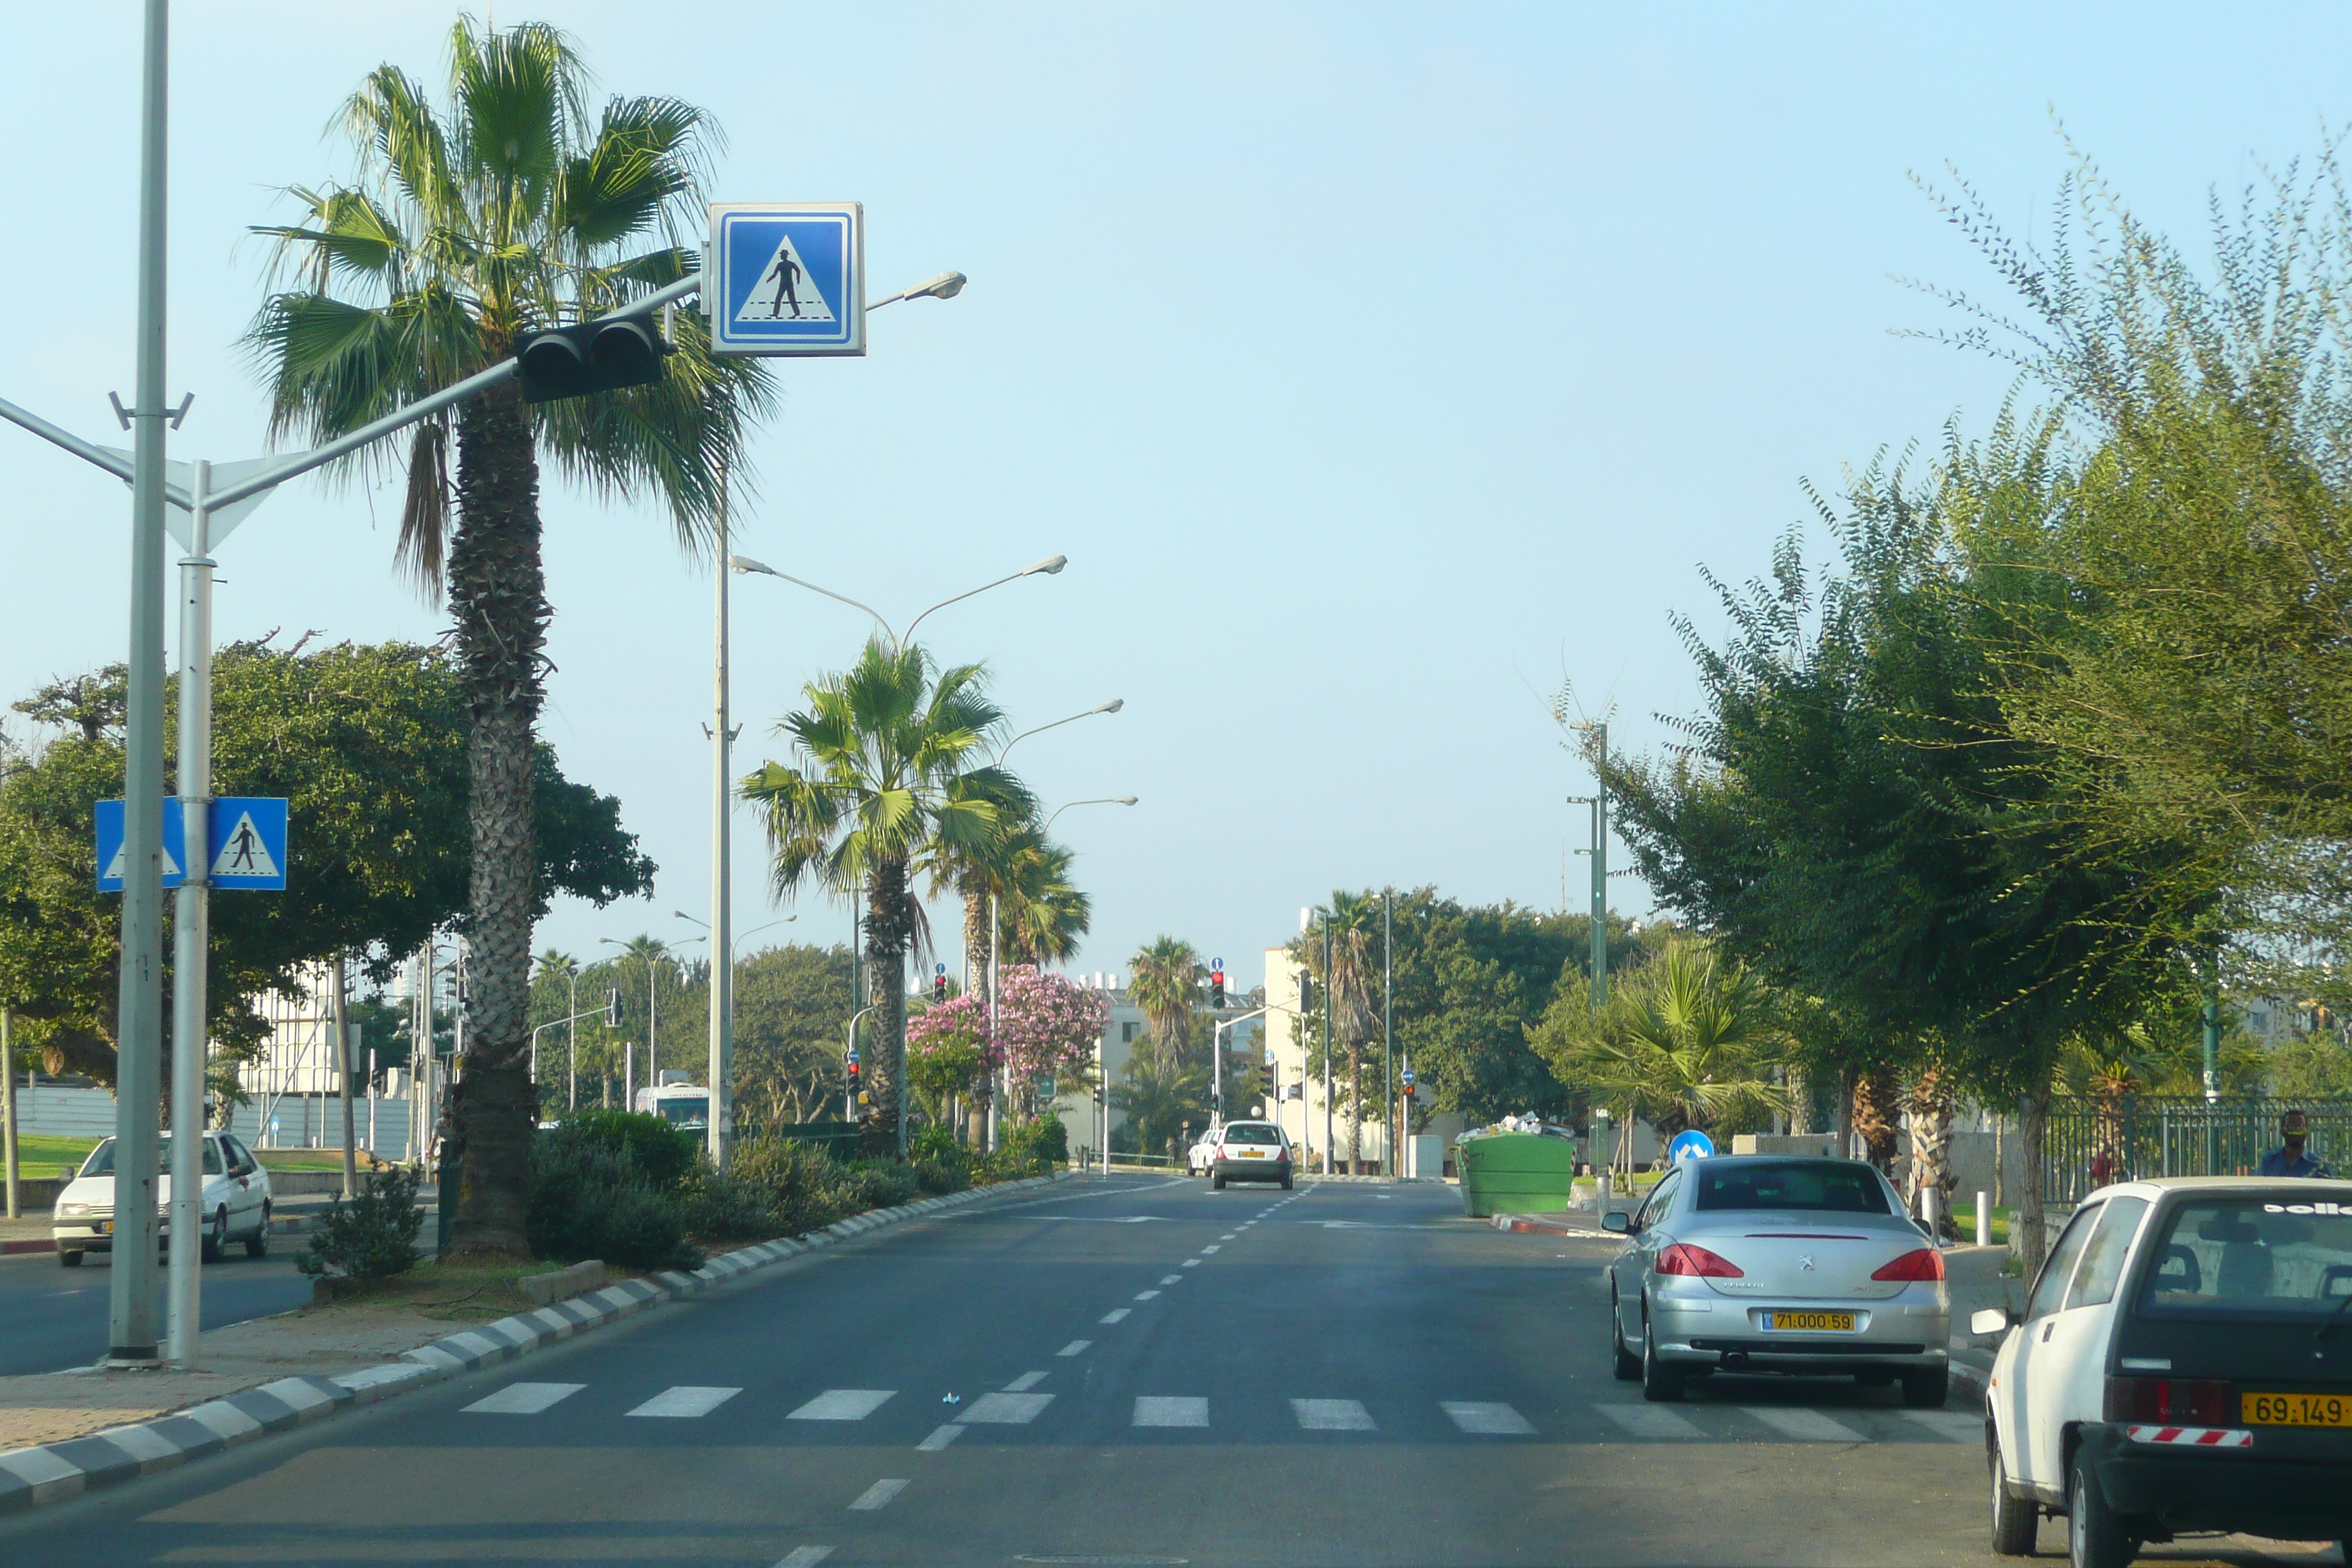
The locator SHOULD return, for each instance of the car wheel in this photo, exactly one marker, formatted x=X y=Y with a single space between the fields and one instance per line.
x=2015 y=1520
x=1661 y=1384
x=1285 y=1184
x=258 y=1244
x=1216 y=1183
x=216 y=1241
x=2096 y=1535
x=69 y=1258
x=1624 y=1364
x=1928 y=1388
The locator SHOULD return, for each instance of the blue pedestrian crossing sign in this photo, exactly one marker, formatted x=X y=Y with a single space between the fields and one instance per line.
x=786 y=278
x=248 y=843
x=112 y=860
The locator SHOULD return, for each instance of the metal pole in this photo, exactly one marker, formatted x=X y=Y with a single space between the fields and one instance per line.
x=653 y=1026
x=191 y=931
x=139 y=1033
x=1388 y=1036
x=1003 y=1073
x=572 y=1047
x=343 y=1070
x=1330 y=1150
x=722 y=929
x=8 y=1110
x=1600 y=874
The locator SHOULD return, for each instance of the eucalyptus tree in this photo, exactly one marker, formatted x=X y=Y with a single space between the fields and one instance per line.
x=509 y=207
x=883 y=782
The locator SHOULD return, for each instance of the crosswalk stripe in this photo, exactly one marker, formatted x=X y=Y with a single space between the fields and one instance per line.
x=876 y=1495
x=1332 y=1416
x=1189 y=1263
x=1953 y=1426
x=1116 y=1315
x=1171 y=1278
x=1805 y=1426
x=1024 y=1382
x=804 y=1557
x=940 y=1438
x=1649 y=1421
x=1005 y=1409
x=1075 y=1347
x=1494 y=1420
x=1160 y=1410
x=685 y=1401
x=1146 y=1295
x=523 y=1398
x=843 y=1405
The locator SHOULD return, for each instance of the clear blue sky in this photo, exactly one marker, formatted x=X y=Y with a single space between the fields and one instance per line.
x=1375 y=367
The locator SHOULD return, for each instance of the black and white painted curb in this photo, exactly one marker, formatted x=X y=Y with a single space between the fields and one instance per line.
x=53 y=1472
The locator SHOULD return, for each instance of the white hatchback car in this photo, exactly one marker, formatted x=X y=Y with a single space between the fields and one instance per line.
x=237 y=1200
x=2184 y=1363
x=1203 y=1150
x=1250 y=1151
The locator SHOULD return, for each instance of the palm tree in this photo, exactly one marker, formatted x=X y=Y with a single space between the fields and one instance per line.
x=1354 y=923
x=1041 y=913
x=882 y=785
x=1683 y=1042
x=1165 y=979
x=507 y=210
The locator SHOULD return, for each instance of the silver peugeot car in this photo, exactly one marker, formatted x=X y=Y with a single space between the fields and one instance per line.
x=1770 y=1263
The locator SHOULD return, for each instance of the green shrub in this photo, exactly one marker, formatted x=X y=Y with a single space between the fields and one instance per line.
x=372 y=1237
x=933 y=1143
x=718 y=1205
x=877 y=1185
x=590 y=1199
x=664 y=1155
x=1052 y=1142
x=937 y=1178
x=795 y=1186
x=1031 y=1147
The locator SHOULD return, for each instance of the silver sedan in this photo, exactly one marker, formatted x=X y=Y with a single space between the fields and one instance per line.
x=1770 y=1263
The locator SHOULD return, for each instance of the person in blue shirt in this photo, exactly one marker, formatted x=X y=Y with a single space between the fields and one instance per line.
x=2295 y=1130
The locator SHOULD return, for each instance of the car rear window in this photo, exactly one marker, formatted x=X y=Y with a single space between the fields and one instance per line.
x=1243 y=1132
x=2235 y=1256
x=1834 y=1186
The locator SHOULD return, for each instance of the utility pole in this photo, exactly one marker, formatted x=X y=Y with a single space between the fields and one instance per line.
x=139 y=1032
x=1329 y=1147
x=723 y=928
x=8 y=1107
x=191 y=931
x=1388 y=1033
x=1599 y=868
x=343 y=1070
x=1004 y=1073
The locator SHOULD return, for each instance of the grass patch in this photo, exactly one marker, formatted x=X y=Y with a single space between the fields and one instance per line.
x=40 y=1155
x=460 y=1292
x=1964 y=1215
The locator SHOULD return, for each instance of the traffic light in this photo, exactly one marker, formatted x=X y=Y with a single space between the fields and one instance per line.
x=1217 y=984
x=613 y=1009
x=939 y=985
x=588 y=357
x=1306 y=991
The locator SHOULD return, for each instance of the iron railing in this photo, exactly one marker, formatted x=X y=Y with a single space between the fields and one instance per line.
x=2093 y=1140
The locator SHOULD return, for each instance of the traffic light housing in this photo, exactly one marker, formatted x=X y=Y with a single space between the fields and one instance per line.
x=1217 y=989
x=1306 y=991
x=939 y=985
x=613 y=1009
x=588 y=357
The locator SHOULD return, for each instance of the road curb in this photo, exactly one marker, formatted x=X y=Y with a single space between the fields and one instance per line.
x=54 y=1472
x=1547 y=1225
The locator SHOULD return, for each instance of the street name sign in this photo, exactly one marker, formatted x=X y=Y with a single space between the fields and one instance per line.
x=786 y=278
x=110 y=859
x=248 y=843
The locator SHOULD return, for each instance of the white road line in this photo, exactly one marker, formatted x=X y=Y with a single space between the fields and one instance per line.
x=1805 y=1426
x=685 y=1401
x=1005 y=1409
x=1075 y=1347
x=1649 y=1421
x=1115 y=1315
x=1229 y=1236
x=1488 y=1419
x=1213 y=1247
x=1954 y=1425
x=843 y=1405
x=1165 y=1411
x=523 y=1398
x=1145 y=1295
x=1171 y=1279
x=1332 y=1416
x=876 y=1495
x=806 y=1556
x=1024 y=1382
x=940 y=1438
x=1189 y=1263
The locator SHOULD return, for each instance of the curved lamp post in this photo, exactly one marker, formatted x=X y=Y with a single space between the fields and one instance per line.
x=1105 y=800
x=1113 y=706
x=1047 y=567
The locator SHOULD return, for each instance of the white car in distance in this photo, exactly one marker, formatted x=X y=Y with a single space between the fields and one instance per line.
x=236 y=1205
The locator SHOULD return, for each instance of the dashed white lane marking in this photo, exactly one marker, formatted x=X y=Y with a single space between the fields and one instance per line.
x=1229 y=1236
x=1189 y=1263
x=685 y=1401
x=1649 y=1421
x=1075 y=1347
x=876 y=1495
x=1805 y=1426
x=804 y=1556
x=1332 y=1416
x=1145 y=1295
x=940 y=1438
x=1024 y=1382
x=523 y=1398
x=1165 y=1411
x=1213 y=1247
x=1115 y=1314
x=1951 y=1425
x=1005 y=1409
x=1492 y=1420
x=1171 y=1279
x=843 y=1405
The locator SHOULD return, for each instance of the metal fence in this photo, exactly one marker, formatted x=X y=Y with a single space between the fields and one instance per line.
x=2092 y=1141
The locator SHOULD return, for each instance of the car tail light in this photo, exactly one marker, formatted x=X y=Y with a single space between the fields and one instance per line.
x=1926 y=1263
x=2183 y=1401
x=1682 y=1257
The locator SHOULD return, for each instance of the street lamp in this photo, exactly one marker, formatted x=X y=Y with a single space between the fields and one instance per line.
x=1047 y=567
x=660 y=952
x=1103 y=800
x=946 y=286
x=1113 y=706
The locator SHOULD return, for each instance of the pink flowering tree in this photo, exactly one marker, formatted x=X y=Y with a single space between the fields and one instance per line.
x=1046 y=1023
x=948 y=1049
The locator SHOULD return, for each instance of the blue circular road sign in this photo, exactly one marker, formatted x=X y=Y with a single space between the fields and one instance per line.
x=1693 y=1145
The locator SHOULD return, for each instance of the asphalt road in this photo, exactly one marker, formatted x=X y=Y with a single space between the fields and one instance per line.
x=1135 y=1373
x=53 y=1318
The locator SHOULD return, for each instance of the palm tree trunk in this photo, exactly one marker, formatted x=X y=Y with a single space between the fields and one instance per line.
x=498 y=595
x=975 y=969
x=1355 y=1107
x=888 y=928
x=1800 y=1101
x=1873 y=1099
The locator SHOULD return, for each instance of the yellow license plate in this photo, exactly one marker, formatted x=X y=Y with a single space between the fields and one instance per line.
x=1253 y=1155
x=103 y=1227
x=1814 y=1322
x=2295 y=1409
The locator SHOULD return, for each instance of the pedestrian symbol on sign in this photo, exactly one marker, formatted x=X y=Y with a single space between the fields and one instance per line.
x=243 y=853
x=794 y=298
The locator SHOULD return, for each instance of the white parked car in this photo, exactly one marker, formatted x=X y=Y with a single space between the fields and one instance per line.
x=237 y=1200
x=1203 y=1150
x=2184 y=1363
x=1250 y=1151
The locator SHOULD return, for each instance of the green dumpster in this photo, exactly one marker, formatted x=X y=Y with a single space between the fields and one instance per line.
x=1514 y=1173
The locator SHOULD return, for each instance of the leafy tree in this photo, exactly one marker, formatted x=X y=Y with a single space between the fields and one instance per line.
x=793 y=1006
x=948 y=1051
x=507 y=209
x=1047 y=1025
x=1350 y=967
x=368 y=745
x=1166 y=979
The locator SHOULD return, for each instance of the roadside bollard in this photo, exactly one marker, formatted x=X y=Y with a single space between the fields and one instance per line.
x=1984 y=1219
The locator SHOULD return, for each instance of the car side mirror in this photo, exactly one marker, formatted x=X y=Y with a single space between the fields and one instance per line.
x=1988 y=1321
x=1617 y=1224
